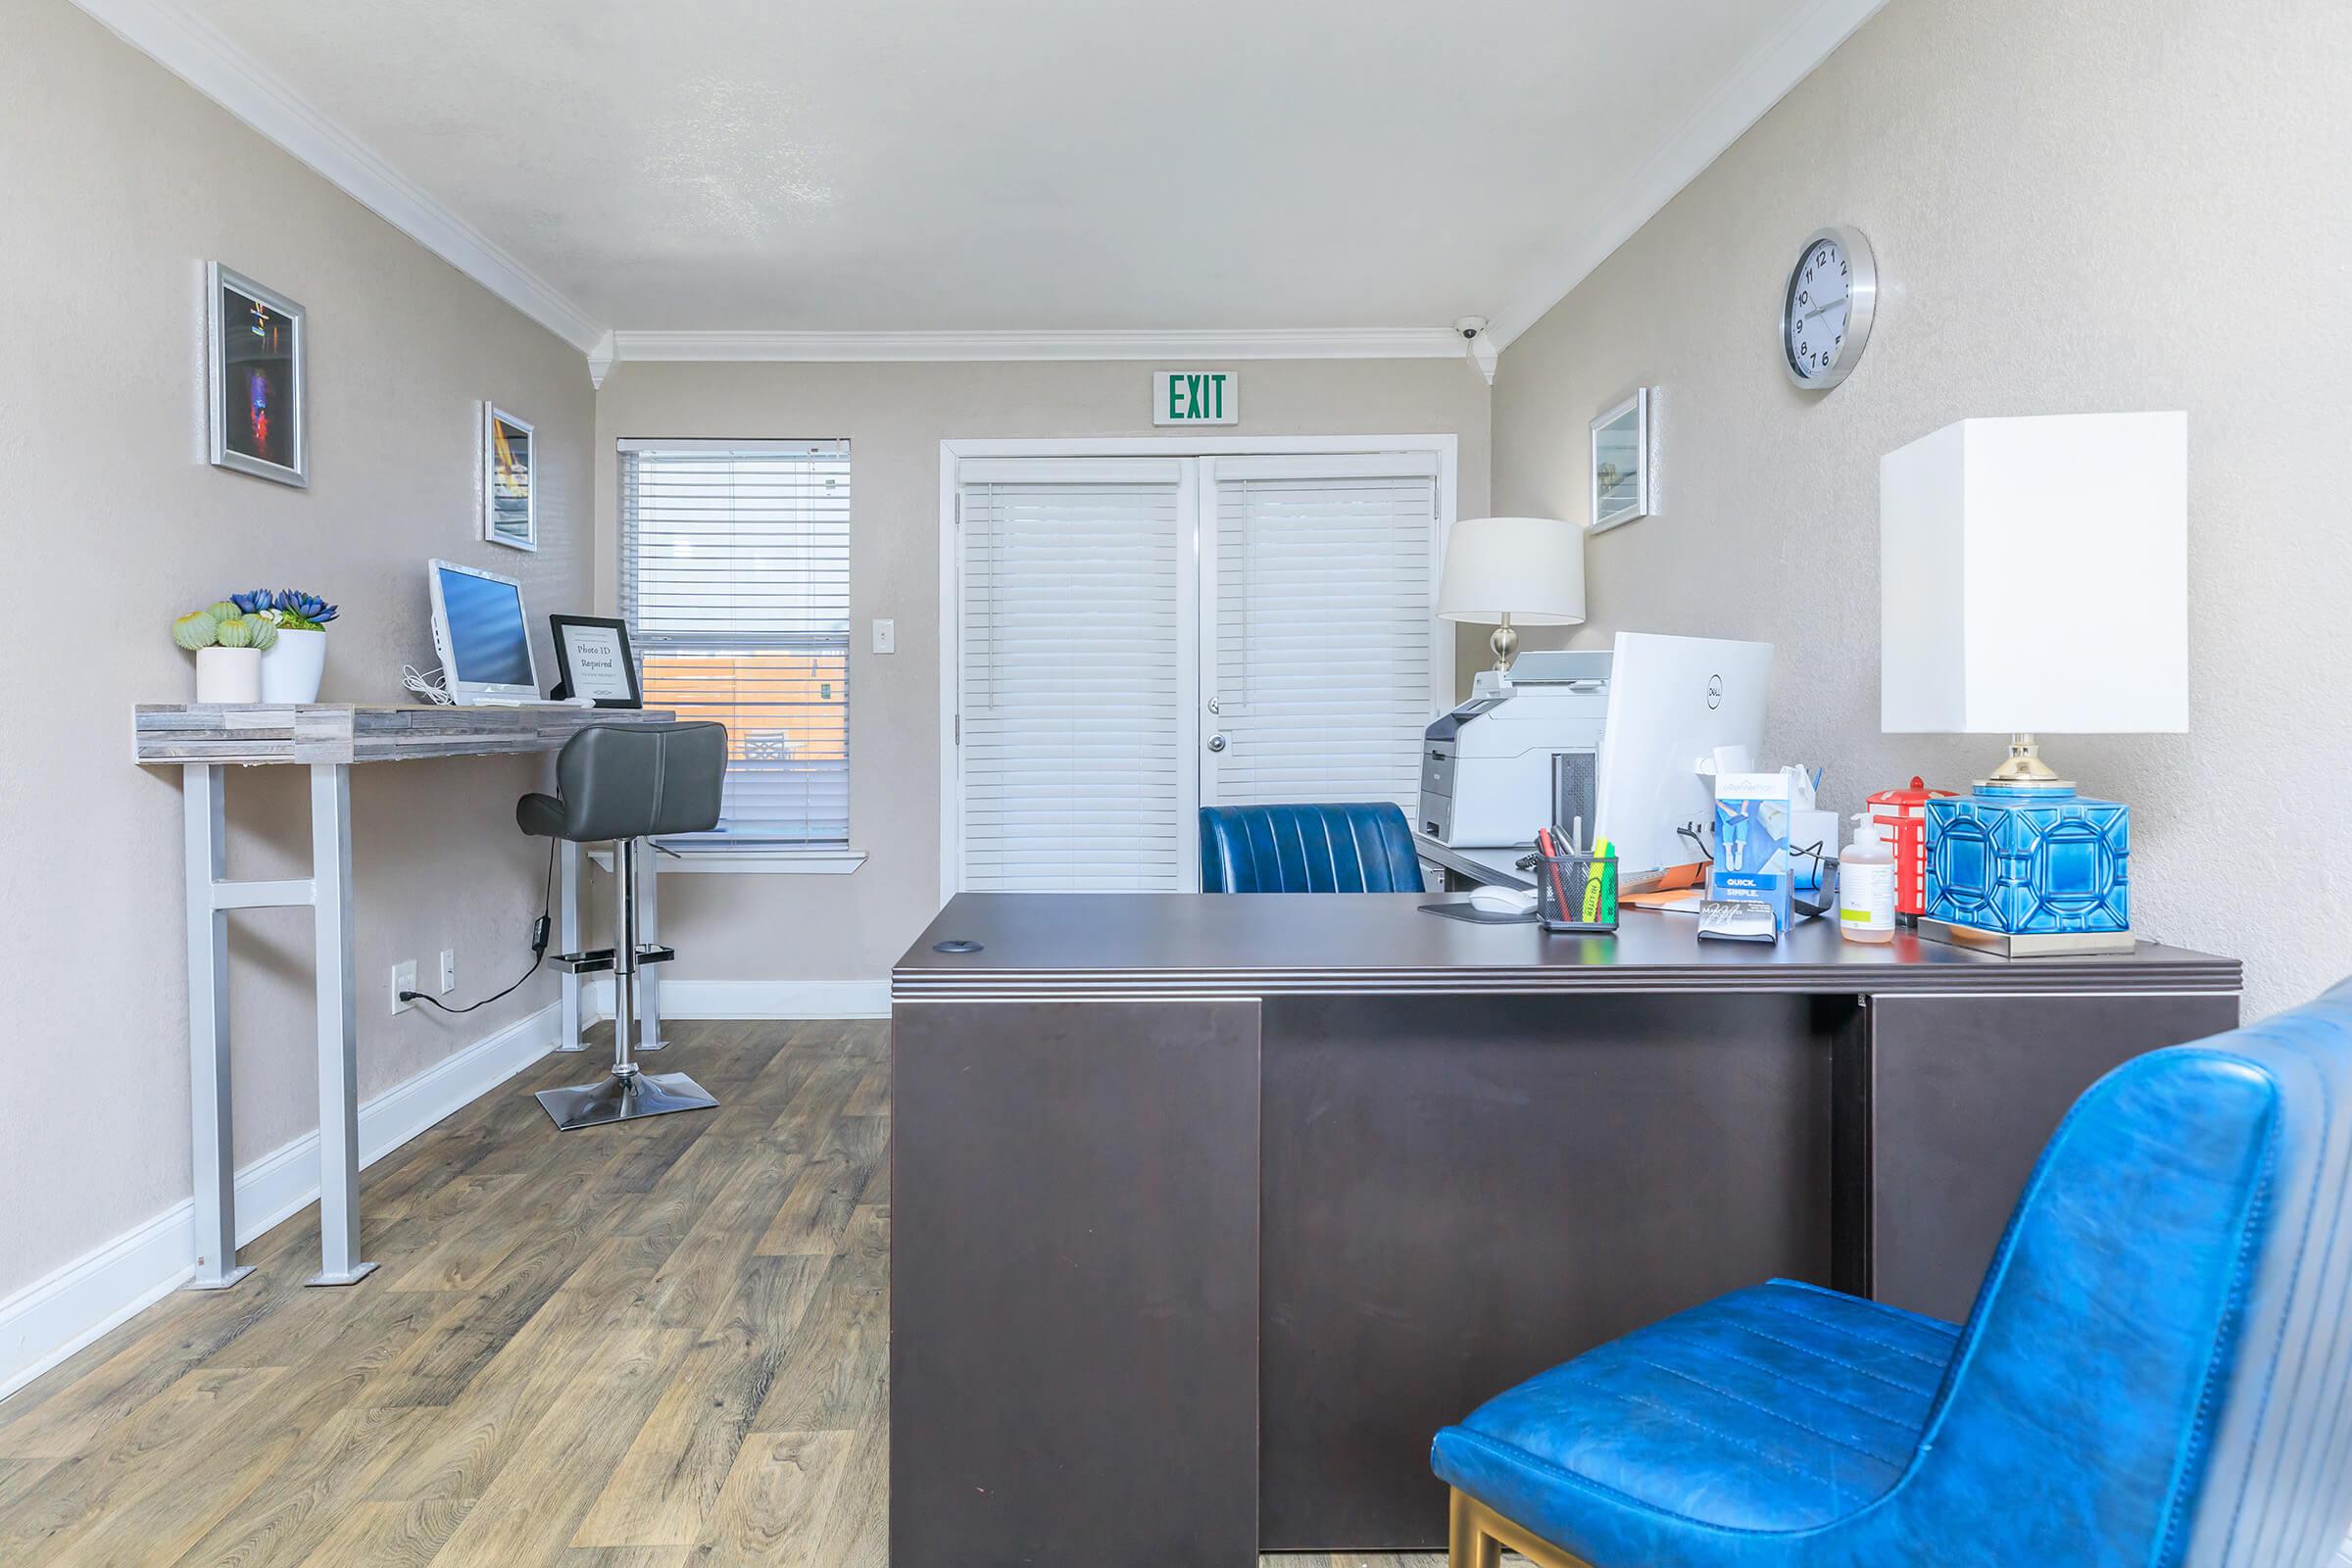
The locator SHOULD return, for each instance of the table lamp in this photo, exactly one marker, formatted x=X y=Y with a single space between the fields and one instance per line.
x=2034 y=578
x=1505 y=569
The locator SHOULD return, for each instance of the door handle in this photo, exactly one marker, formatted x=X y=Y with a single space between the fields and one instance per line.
x=1217 y=743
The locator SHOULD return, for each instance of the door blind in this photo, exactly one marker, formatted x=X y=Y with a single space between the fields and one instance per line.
x=1324 y=600
x=735 y=583
x=1076 y=648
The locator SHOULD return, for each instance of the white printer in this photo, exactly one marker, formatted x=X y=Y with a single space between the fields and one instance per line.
x=1522 y=752
x=1629 y=740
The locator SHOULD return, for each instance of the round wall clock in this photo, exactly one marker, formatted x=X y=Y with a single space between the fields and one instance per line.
x=1825 y=315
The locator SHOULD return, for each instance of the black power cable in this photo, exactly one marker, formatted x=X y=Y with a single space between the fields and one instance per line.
x=539 y=938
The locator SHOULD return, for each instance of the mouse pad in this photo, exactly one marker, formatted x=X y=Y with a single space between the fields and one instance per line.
x=1478 y=917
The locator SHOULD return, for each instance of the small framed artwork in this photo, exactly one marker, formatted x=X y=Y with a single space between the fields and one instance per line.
x=510 y=481
x=593 y=661
x=254 y=378
x=1621 y=490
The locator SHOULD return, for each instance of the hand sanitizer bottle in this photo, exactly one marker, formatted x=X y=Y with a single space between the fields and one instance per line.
x=1866 y=885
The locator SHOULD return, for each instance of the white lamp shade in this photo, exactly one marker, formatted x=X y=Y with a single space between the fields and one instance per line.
x=1531 y=568
x=2033 y=576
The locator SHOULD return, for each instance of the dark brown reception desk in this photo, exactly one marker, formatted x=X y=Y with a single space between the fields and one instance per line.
x=1209 y=1210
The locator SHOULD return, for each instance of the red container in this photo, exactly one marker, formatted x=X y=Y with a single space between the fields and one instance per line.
x=1902 y=816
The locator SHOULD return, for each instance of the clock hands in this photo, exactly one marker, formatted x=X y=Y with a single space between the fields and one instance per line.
x=1821 y=309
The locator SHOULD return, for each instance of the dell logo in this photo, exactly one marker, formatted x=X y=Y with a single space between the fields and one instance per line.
x=1714 y=690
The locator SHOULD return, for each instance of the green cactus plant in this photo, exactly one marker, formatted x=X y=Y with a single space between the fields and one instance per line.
x=196 y=631
x=234 y=632
x=264 y=629
x=222 y=610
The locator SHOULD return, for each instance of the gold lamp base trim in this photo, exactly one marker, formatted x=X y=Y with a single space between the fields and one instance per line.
x=2025 y=769
x=1479 y=1536
x=2026 y=944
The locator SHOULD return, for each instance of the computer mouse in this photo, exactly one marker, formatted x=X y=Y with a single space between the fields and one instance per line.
x=1503 y=901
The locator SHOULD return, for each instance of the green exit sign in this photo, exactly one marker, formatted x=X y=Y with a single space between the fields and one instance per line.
x=1196 y=397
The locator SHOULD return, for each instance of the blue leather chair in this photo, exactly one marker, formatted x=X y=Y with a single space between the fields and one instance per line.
x=1307 y=848
x=2158 y=1369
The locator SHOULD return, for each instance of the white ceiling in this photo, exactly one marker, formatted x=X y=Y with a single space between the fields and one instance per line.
x=1053 y=164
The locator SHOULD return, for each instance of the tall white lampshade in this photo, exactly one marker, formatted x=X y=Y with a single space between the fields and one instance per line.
x=2033 y=577
x=1504 y=569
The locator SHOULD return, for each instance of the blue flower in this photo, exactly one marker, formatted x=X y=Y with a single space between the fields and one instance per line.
x=254 y=603
x=306 y=607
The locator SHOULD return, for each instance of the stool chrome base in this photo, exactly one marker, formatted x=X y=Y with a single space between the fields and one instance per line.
x=622 y=1096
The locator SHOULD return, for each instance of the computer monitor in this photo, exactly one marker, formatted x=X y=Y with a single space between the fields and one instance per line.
x=481 y=633
x=1672 y=701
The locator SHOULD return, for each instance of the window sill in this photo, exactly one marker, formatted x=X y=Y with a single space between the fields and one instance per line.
x=690 y=859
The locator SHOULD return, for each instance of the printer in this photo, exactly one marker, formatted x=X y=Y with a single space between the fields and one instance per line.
x=1524 y=750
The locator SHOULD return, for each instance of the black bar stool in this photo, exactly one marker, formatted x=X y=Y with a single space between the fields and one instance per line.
x=627 y=783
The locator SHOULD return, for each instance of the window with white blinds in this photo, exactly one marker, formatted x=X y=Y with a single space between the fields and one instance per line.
x=1077 y=674
x=1322 y=581
x=735 y=583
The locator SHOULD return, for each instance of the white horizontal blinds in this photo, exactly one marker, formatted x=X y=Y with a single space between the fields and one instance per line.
x=1323 y=598
x=1075 y=649
x=735 y=583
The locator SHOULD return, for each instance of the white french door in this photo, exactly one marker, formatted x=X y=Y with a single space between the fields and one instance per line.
x=1318 y=634
x=1133 y=637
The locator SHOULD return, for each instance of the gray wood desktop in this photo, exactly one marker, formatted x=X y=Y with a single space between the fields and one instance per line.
x=1207 y=1212
x=203 y=739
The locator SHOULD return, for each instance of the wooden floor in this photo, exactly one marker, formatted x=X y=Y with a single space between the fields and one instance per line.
x=631 y=1346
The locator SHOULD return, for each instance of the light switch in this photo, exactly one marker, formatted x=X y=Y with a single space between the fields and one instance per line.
x=886 y=636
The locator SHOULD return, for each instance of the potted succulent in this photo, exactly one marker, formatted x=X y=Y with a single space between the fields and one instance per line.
x=294 y=663
x=228 y=644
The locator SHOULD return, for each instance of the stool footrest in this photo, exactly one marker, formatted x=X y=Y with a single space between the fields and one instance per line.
x=596 y=961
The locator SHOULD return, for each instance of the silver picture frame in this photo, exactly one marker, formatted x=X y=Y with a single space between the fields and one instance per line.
x=268 y=383
x=510 y=479
x=1621 y=464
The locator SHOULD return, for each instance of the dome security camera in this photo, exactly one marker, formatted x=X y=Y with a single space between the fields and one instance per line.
x=1470 y=326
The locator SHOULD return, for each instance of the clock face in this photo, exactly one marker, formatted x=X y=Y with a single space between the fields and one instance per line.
x=1821 y=297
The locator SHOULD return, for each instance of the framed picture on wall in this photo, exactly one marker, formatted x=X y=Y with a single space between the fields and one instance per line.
x=510 y=481
x=1620 y=489
x=254 y=378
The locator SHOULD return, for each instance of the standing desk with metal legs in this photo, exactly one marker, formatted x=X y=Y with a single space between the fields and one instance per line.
x=204 y=741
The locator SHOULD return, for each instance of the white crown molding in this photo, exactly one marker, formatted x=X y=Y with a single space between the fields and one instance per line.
x=188 y=47
x=1278 y=343
x=1763 y=78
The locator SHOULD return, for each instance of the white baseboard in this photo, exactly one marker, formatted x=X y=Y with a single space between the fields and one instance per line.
x=756 y=998
x=51 y=1318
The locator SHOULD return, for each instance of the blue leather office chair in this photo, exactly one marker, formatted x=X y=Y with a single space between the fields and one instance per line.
x=2158 y=1369
x=1307 y=848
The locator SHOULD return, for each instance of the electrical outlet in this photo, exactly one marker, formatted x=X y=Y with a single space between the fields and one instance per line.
x=448 y=970
x=886 y=636
x=404 y=978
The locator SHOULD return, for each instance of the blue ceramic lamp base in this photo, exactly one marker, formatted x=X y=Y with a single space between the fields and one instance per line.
x=2027 y=868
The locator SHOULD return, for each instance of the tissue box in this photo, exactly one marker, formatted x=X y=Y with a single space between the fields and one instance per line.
x=1751 y=842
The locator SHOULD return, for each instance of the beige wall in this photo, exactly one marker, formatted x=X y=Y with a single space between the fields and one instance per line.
x=119 y=183
x=763 y=927
x=2115 y=205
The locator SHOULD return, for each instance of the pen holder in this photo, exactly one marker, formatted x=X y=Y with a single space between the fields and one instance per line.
x=1575 y=893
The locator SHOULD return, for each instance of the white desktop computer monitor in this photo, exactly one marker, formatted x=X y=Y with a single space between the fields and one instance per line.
x=1673 y=703
x=482 y=636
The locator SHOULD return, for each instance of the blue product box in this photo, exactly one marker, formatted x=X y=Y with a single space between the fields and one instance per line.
x=2030 y=861
x=1751 y=842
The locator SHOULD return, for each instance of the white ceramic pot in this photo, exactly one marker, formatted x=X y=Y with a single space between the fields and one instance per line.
x=291 y=669
x=228 y=674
